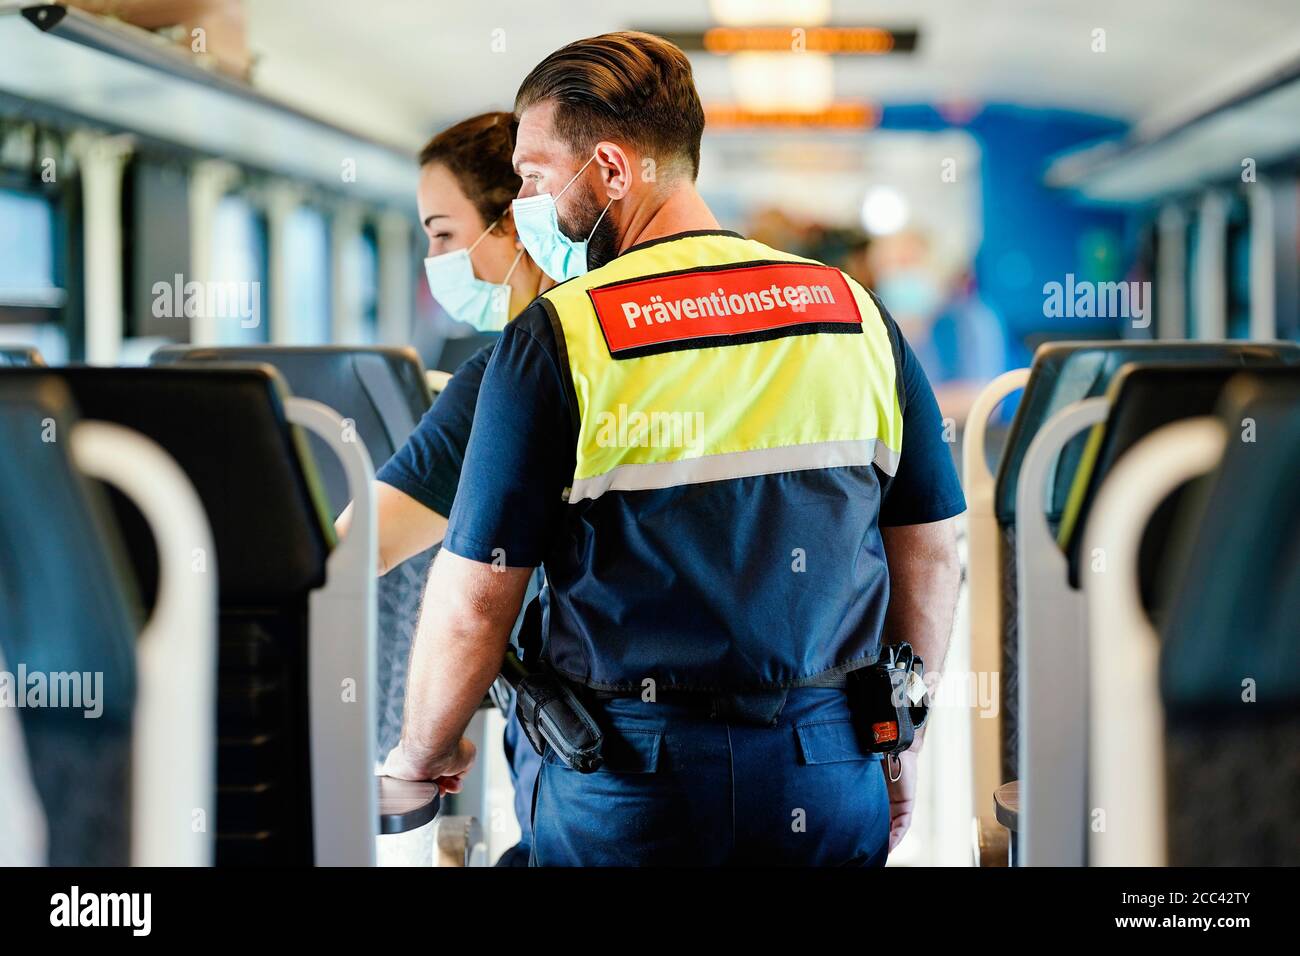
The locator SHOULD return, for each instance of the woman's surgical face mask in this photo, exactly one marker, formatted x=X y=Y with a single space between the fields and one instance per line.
x=538 y=224
x=467 y=298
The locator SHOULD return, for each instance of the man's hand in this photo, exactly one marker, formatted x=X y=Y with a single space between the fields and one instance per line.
x=924 y=578
x=447 y=771
x=902 y=796
x=456 y=654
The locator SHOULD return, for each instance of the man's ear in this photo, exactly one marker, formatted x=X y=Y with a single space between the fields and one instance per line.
x=616 y=169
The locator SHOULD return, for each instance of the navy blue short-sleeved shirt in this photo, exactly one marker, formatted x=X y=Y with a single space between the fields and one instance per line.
x=428 y=466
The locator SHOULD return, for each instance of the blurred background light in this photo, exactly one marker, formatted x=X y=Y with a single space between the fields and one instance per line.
x=796 y=82
x=884 y=211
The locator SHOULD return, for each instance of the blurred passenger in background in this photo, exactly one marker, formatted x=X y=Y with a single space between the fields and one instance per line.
x=856 y=258
x=956 y=335
x=969 y=347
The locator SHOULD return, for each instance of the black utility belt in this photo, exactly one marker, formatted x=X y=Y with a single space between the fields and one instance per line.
x=887 y=699
x=689 y=695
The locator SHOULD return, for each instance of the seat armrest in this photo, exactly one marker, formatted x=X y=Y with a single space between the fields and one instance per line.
x=406 y=805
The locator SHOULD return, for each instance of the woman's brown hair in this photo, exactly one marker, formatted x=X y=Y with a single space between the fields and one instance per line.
x=479 y=152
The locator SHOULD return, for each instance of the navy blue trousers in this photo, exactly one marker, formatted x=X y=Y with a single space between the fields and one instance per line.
x=680 y=788
x=524 y=768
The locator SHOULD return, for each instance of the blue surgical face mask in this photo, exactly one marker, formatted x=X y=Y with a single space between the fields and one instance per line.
x=538 y=224
x=467 y=298
x=910 y=293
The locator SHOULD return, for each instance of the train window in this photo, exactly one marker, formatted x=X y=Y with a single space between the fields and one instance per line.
x=307 y=256
x=1145 y=268
x=1238 y=269
x=360 y=287
x=369 y=247
x=1190 y=272
x=31 y=294
x=239 y=256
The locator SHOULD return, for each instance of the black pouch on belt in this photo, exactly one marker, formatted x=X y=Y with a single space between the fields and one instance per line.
x=548 y=710
x=552 y=714
x=888 y=699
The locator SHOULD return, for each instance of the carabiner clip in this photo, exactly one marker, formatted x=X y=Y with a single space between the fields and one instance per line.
x=893 y=760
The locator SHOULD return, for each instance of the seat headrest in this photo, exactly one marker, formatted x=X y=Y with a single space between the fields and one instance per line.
x=65 y=583
x=382 y=390
x=1235 y=562
x=1145 y=397
x=227 y=430
x=455 y=352
x=1066 y=372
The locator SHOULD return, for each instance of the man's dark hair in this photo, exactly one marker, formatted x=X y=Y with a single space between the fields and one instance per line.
x=632 y=87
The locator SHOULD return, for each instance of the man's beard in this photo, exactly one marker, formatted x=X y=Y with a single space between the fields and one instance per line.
x=602 y=247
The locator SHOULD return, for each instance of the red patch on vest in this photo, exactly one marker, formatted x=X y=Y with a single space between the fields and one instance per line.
x=710 y=307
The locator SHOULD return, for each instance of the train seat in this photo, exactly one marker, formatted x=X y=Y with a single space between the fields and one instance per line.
x=1061 y=375
x=383 y=392
x=456 y=351
x=1045 y=447
x=295 y=715
x=1230 y=655
x=116 y=718
x=1201 y=769
x=1144 y=397
x=1053 y=701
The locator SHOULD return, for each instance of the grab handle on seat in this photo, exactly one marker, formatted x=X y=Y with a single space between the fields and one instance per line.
x=984 y=588
x=1051 y=659
x=1126 y=740
x=978 y=480
x=173 y=776
x=342 y=687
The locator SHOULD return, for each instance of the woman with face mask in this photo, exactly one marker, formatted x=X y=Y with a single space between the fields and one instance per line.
x=480 y=274
x=477 y=268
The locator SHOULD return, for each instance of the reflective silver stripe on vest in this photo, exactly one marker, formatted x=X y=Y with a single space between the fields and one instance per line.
x=737 y=464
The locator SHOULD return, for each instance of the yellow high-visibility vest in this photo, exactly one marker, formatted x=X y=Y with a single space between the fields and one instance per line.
x=709 y=356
